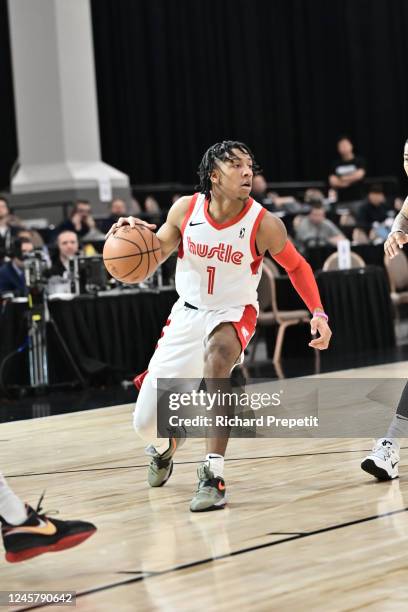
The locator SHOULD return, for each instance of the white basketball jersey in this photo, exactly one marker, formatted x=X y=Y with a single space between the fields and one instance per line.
x=218 y=265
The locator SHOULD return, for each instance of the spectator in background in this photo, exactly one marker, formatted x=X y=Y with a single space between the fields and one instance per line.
x=316 y=230
x=259 y=187
x=347 y=173
x=153 y=211
x=151 y=206
x=7 y=229
x=117 y=209
x=12 y=279
x=270 y=199
x=260 y=194
x=37 y=241
x=374 y=208
x=313 y=195
x=68 y=247
x=373 y=214
x=135 y=208
x=80 y=220
x=32 y=235
x=316 y=195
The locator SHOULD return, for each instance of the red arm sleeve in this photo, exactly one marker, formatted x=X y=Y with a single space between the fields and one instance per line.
x=300 y=274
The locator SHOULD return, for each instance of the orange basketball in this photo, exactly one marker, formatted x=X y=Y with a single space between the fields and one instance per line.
x=132 y=254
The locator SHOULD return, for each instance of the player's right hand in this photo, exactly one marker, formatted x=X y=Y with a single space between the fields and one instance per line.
x=132 y=221
x=394 y=243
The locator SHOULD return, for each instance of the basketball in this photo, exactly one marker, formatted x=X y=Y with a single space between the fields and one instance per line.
x=132 y=254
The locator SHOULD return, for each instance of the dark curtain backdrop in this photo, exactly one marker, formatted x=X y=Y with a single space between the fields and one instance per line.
x=285 y=76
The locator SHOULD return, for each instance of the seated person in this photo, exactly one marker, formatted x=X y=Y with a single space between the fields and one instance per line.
x=37 y=241
x=152 y=210
x=287 y=204
x=117 y=209
x=81 y=222
x=151 y=206
x=68 y=246
x=259 y=192
x=359 y=236
x=374 y=217
x=313 y=195
x=8 y=229
x=270 y=199
x=316 y=230
x=135 y=208
x=12 y=278
x=374 y=207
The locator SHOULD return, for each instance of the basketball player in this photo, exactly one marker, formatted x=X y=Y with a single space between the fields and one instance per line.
x=383 y=461
x=222 y=235
x=27 y=533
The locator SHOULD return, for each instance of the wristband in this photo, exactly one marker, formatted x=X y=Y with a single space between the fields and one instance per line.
x=321 y=314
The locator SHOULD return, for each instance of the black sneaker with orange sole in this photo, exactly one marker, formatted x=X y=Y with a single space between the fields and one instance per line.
x=41 y=534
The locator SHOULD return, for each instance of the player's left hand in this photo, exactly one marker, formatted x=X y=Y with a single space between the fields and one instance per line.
x=132 y=221
x=320 y=325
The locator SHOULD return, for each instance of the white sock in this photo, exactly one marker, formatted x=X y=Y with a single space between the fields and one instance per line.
x=216 y=464
x=12 y=509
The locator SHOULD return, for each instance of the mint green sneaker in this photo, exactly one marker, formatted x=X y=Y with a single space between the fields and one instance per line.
x=161 y=466
x=210 y=494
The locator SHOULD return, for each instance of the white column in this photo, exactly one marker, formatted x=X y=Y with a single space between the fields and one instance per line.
x=56 y=106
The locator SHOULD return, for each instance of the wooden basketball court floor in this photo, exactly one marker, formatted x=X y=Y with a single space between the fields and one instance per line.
x=305 y=528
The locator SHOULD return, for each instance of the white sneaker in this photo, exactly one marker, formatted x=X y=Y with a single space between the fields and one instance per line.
x=383 y=461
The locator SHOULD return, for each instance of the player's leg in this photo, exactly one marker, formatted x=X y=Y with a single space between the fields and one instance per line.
x=383 y=461
x=12 y=509
x=222 y=352
x=26 y=533
x=179 y=354
x=160 y=450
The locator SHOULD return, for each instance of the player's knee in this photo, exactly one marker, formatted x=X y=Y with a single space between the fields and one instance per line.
x=219 y=358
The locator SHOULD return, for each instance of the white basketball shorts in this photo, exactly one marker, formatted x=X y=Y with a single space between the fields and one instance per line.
x=180 y=350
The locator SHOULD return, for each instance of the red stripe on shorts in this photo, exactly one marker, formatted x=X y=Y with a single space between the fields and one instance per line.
x=139 y=378
x=245 y=327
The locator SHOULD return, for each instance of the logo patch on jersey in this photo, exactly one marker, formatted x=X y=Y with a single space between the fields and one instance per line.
x=242 y=232
x=245 y=332
x=223 y=252
x=191 y=224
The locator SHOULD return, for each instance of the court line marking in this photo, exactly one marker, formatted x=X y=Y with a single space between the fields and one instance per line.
x=240 y=551
x=287 y=532
x=133 y=572
x=144 y=465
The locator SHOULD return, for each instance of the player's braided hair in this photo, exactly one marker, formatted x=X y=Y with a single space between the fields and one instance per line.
x=220 y=151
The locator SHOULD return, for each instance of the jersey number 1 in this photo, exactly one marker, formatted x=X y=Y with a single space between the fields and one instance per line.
x=211 y=274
